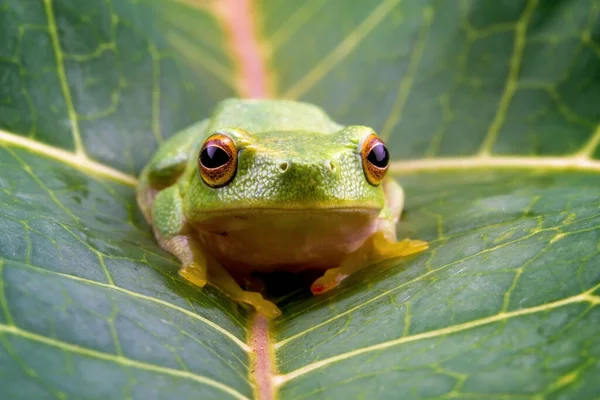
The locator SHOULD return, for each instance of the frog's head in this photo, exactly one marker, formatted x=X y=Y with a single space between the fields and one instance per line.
x=293 y=164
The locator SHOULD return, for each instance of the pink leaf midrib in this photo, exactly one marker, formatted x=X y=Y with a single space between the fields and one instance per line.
x=239 y=22
x=263 y=366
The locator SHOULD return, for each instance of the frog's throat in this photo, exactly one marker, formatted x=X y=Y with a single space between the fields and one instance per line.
x=268 y=239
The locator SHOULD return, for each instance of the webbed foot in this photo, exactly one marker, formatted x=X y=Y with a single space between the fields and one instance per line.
x=195 y=274
x=260 y=304
x=376 y=248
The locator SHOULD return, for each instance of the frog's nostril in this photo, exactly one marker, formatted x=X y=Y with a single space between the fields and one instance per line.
x=332 y=166
x=283 y=166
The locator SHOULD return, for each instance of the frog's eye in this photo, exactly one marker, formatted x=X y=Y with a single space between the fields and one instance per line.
x=217 y=160
x=375 y=159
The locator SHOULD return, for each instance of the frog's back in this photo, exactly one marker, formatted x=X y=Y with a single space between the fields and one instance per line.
x=257 y=116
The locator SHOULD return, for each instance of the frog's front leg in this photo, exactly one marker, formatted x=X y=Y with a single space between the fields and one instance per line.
x=197 y=266
x=380 y=246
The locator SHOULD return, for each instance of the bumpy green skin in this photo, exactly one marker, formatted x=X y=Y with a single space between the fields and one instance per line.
x=167 y=213
x=324 y=165
x=291 y=157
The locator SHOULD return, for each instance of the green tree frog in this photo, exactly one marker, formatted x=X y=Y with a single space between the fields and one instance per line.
x=268 y=185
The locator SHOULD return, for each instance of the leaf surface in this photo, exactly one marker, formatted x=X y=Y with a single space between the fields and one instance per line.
x=489 y=110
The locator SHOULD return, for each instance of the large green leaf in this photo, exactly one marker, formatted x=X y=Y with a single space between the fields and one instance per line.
x=491 y=112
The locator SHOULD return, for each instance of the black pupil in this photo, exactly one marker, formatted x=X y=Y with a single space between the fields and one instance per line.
x=213 y=157
x=378 y=156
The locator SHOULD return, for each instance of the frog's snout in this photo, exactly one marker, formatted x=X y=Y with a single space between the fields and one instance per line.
x=324 y=170
x=307 y=178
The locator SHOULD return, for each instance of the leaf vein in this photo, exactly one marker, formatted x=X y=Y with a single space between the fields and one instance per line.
x=486 y=162
x=395 y=114
x=341 y=51
x=502 y=316
x=62 y=77
x=12 y=330
x=189 y=313
x=387 y=292
x=77 y=161
x=512 y=79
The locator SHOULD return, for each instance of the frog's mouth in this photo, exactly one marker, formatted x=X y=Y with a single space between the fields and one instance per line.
x=273 y=212
x=284 y=209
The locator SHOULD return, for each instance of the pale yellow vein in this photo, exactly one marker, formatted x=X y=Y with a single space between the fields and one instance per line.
x=569 y=378
x=407 y=80
x=512 y=79
x=286 y=341
x=300 y=17
x=13 y=330
x=499 y=162
x=588 y=149
x=341 y=51
x=98 y=254
x=78 y=161
x=97 y=52
x=189 y=313
x=385 y=293
x=584 y=297
x=62 y=77
x=3 y=300
x=196 y=57
x=42 y=185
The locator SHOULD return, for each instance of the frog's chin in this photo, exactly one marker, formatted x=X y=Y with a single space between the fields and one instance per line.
x=294 y=239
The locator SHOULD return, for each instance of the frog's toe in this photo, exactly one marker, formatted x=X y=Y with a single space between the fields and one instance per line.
x=406 y=247
x=262 y=306
x=194 y=274
x=328 y=281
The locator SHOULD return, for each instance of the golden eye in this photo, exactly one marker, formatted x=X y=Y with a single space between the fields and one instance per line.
x=218 y=160
x=375 y=159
